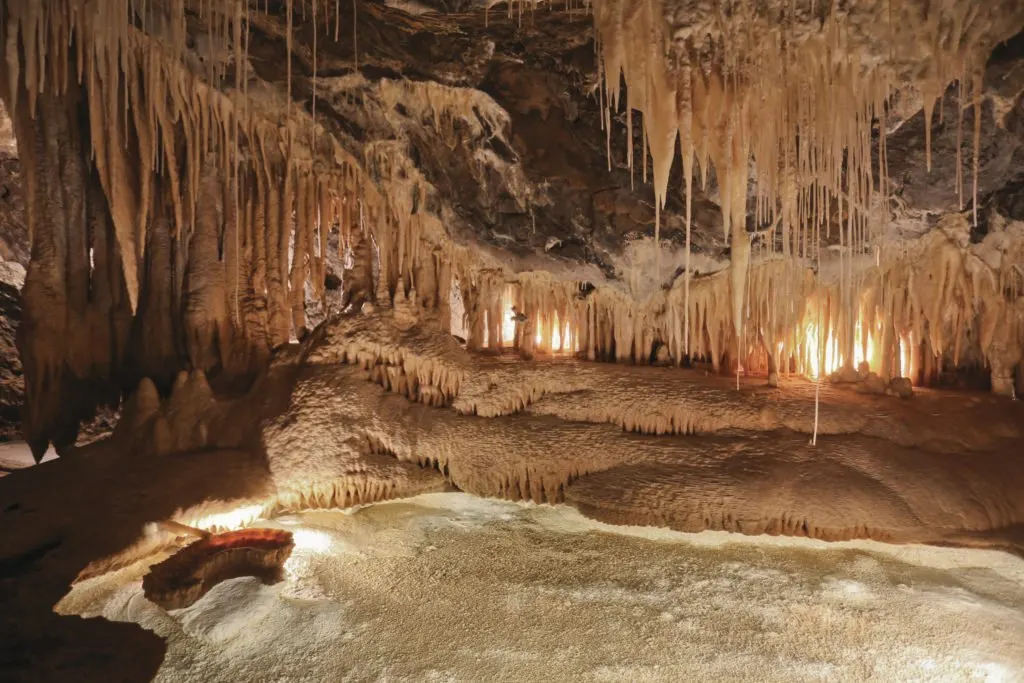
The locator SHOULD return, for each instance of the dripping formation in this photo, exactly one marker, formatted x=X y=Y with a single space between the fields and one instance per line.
x=207 y=210
x=752 y=88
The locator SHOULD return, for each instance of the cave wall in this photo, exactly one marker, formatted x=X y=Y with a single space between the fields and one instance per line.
x=14 y=256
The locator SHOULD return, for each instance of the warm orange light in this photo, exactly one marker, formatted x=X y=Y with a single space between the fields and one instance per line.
x=556 y=334
x=865 y=349
x=230 y=520
x=508 y=324
x=813 y=352
x=907 y=355
x=561 y=335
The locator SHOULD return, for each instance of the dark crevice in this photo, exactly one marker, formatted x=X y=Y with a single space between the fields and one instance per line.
x=1011 y=50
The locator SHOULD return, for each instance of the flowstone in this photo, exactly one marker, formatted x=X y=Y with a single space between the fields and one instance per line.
x=720 y=458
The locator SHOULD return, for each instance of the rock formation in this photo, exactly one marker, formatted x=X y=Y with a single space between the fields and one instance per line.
x=211 y=166
x=324 y=253
x=190 y=573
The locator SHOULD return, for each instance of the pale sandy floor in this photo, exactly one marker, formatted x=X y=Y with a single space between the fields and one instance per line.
x=449 y=587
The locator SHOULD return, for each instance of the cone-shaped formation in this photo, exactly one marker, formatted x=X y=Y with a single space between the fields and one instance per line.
x=185 y=199
x=792 y=90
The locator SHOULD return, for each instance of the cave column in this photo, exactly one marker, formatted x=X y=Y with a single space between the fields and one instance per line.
x=885 y=370
x=74 y=301
x=1003 y=365
x=1004 y=355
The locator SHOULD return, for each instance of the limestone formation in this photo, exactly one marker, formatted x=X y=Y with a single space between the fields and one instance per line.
x=203 y=187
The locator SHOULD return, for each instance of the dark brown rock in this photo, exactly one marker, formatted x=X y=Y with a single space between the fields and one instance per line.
x=189 y=574
x=901 y=386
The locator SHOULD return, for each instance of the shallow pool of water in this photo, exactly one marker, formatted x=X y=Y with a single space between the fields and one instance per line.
x=450 y=587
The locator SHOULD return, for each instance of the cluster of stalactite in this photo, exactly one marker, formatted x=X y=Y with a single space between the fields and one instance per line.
x=173 y=226
x=793 y=90
x=922 y=306
x=785 y=98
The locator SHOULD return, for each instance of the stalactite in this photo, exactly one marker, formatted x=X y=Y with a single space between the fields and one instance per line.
x=358 y=278
x=254 y=297
x=278 y=232
x=976 y=88
x=811 y=90
x=72 y=336
x=159 y=130
x=207 y=319
x=300 y=254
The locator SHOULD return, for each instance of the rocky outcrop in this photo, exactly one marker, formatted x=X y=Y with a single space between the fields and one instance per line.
x=186 y=576
x=371 y=407
x=15 y=255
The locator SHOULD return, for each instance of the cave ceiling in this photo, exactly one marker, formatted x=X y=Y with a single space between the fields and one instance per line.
x=523 y=166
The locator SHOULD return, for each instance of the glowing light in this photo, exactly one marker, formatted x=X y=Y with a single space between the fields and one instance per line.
x=508 y=324
x=231 y=520
x=311 y=540
x=824 y=356
x=556 y=334
x=907 y=355
x=833 y=360
x=860 y=353
x=551 y=334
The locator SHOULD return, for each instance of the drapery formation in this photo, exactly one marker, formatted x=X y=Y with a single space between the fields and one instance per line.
x=781 y=101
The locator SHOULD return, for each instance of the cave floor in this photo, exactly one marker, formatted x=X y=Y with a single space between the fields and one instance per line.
x=454 y=587
x=59 y=516
x=16 y=455
x=962 y=482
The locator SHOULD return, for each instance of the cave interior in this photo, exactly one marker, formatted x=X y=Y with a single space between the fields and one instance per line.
x=745 y=266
